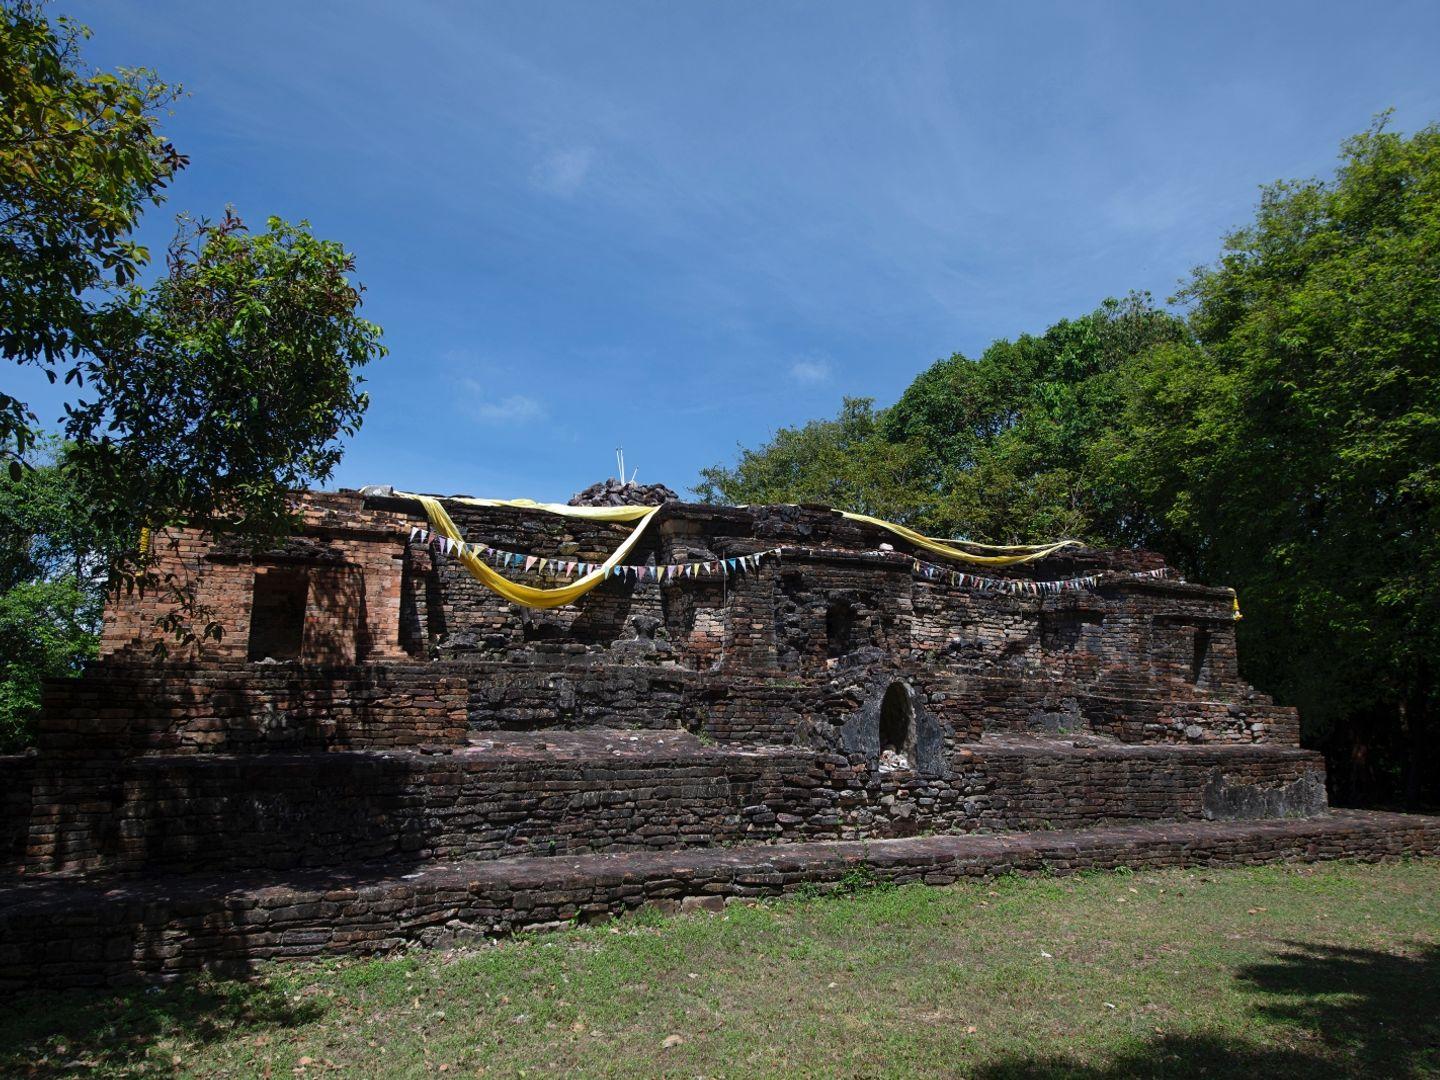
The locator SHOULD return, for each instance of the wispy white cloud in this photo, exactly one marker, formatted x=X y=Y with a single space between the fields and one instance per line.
x=563 y=172
x=479 y=401
x=511 y=409
x=811 y=371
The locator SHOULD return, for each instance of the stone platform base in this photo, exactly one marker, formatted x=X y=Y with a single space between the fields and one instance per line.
x=57 y=932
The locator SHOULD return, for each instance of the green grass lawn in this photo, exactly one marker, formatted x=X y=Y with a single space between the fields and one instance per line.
x=1279 y=971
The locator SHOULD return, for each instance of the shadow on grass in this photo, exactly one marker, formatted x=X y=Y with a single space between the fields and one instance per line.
x=114 y=1033
x=1354 y=1012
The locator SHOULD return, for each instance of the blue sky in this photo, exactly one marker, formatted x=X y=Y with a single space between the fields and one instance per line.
x=675 y=227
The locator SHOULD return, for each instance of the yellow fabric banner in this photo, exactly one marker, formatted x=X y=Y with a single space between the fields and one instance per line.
x=528 y=595
x=1028 y=552
x=594 y=513
x=564 y=594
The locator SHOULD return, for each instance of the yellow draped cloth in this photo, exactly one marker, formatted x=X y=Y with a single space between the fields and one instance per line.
x=594 y=513
x=1019 y=553
x=529 y=596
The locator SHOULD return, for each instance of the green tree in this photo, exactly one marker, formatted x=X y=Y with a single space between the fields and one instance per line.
x=1294 y=450
x=996 y=449
x=1011 y=434
x=81 y=155
x=225 y=386
x=52 y=583
x=846 y=463
x=202 y=398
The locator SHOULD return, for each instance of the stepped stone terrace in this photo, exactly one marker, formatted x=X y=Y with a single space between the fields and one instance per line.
x=380 y=750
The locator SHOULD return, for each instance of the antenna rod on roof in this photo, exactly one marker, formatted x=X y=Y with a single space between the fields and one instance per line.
x=620 y=462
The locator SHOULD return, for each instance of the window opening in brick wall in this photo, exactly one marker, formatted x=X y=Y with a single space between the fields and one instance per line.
x=839 y=629
x=277 y=615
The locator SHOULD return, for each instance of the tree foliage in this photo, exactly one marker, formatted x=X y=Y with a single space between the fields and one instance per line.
x=1294 y=448
x=52 y=582
x=226 y=385
x=1010 y=435
x=845 y=462
x=81 y=155
x=201 y=398
x=998 y=448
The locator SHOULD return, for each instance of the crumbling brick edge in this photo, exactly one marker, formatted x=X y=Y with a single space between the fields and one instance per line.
x=56 y=933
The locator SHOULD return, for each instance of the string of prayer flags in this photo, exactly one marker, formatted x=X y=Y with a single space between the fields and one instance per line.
x=1023 y=586
x=569 y=568
x=743 y=564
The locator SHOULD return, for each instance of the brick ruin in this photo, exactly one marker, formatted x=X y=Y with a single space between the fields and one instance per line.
x=380 y=750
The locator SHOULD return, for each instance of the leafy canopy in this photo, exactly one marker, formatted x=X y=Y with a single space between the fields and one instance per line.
x=227 y=384
x=52 y=582
x=845 y=462
x=81 y=155
x=202 y=397
x=997 y=448
x=1294 y=448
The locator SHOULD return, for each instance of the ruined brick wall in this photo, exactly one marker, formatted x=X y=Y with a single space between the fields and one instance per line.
x=147 y=933
x=370 y=597
x=515 y=797
x=345 y=560
x=250 y=708
x=15 y=780
x=1141 y=660
x=1125 y=637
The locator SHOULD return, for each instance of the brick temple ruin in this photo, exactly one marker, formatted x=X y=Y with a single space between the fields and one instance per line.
x=380 y=750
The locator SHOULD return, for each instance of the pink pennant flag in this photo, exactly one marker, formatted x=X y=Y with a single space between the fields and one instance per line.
x=530 y=561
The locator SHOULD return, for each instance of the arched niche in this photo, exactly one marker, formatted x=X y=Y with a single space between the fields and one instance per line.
x=897 y=721
x=894 y=718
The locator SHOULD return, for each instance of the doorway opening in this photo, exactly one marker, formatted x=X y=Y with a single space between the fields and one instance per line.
x=277 y=613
